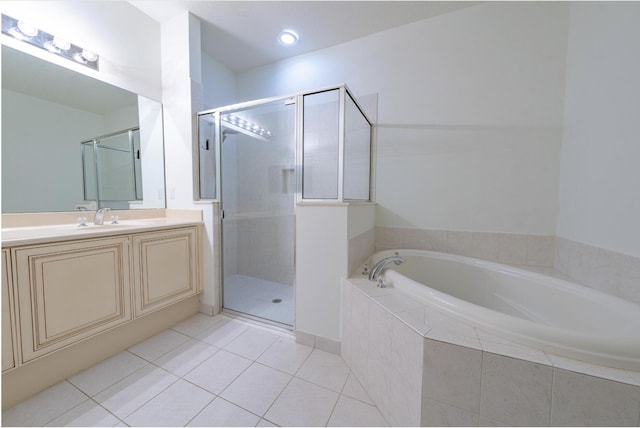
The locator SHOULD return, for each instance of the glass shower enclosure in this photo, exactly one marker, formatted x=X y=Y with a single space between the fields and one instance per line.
x=259 y=159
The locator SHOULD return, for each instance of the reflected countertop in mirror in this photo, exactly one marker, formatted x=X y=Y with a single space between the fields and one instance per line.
x=48 y=111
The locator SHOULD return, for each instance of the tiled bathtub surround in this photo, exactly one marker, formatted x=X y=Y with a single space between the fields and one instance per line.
x=608 y=271
x=605 y=270
x=360 y=249
x=421 y=367
x=508 y=248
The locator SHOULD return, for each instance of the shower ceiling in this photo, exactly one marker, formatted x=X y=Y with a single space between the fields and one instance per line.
x=243 y=34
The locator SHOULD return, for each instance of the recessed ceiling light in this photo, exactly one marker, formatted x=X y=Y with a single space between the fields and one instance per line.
x=288 y=37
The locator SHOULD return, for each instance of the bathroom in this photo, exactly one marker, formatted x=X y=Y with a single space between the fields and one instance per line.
x=503 y=131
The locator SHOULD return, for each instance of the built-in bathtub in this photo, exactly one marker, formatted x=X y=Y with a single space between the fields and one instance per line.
x=544 y=312
x=429 y=358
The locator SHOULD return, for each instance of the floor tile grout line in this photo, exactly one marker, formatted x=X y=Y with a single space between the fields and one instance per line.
x=146 y=402
x=215 y=397
x=285 y=387
x=277 y=339
x=277 y=397
x=164 y=353
x=110 y=412
x=71 y=408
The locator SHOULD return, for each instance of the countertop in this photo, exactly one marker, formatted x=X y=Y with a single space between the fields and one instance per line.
x=18 y=236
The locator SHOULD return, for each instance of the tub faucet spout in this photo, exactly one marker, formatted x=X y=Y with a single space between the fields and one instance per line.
x=377 y=269
x=98 y=219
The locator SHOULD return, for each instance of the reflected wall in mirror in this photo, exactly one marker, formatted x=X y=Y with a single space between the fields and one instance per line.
x=48 y=111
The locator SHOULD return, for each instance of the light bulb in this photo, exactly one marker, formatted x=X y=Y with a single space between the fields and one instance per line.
x=288 y=37
x=27 y=29
x=61 y=44
x=89 y=56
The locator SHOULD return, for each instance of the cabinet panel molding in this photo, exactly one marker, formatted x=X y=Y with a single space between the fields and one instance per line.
x=71 y=291
x=9 y=346
x=165 y=268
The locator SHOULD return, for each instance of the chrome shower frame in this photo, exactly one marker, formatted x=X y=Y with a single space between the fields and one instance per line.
x=297 y=99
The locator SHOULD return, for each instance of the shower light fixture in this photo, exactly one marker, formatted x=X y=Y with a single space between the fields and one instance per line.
x=288 y=37
x=25 y=32
x=242 y=125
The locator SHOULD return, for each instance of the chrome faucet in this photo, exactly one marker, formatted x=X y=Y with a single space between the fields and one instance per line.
x=98 y=219
x=377 y=269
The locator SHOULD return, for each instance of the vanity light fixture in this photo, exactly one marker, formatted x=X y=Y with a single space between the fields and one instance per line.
x=288 y=37
x=25 y=32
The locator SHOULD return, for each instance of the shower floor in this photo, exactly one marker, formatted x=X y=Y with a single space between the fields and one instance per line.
x=255 y=296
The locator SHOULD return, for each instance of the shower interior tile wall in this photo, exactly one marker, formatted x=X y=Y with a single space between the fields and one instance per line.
x=258 y=229
x=264 y=248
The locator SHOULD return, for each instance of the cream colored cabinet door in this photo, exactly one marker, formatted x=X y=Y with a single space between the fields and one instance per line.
x=70 y=291
x=8 y=331
x=165 y=268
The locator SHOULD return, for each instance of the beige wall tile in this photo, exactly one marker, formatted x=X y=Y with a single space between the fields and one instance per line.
x=540 y=250
x=515 y=392
x=512 y=249
x=451 y=374
x=435 y=414
x=405 y=380
x=586 y=400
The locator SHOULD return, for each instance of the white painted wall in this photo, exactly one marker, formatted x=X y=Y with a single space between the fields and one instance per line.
x=218 y=84
x=321 y=260
x=181 y=71
x=599 y=197
x=182 y=98
x=469 y=115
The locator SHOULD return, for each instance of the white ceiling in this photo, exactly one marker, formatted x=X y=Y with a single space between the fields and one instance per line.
x=242 y=34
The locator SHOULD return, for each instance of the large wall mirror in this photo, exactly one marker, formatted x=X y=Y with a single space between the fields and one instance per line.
x=72 y=142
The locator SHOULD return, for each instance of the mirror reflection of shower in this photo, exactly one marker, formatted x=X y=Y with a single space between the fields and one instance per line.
x=111 y=166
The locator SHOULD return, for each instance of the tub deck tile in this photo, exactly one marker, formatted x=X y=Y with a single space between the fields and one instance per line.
x=498 y=345
x=602 y=372
x=451 y=330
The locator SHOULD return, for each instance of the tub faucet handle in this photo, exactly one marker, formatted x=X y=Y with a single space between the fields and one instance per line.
x=382 y=283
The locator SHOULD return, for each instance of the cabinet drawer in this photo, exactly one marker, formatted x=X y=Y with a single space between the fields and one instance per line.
x=166 y=268
x=71 y=291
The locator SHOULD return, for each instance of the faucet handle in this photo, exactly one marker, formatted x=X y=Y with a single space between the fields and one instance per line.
x=382 y=283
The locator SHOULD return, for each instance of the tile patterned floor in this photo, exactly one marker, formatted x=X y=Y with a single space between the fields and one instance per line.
x=207 y=371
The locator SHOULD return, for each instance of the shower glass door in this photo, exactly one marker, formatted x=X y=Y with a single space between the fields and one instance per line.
x=258 y=184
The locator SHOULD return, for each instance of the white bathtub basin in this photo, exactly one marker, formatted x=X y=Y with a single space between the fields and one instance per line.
x=533 y=309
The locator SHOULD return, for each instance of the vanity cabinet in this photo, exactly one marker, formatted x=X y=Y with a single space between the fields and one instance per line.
x=70 y=291
x=8 y=326
x=165 y=268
